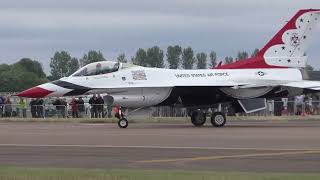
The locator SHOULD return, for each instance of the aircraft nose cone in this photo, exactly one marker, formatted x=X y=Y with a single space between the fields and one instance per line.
x=35 y=92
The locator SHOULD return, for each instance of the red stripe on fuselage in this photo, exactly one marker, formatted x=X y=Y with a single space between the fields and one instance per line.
x=35 y=92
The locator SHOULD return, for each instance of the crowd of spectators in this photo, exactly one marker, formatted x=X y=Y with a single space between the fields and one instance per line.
x=61 y=106
x=77 y=107
x=5 y=106
x=76 y=104
x=94 y=107
x=36 y=108
x=97 y=106
x=7 y=109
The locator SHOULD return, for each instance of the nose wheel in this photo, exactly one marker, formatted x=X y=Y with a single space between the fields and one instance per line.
x=123 y=123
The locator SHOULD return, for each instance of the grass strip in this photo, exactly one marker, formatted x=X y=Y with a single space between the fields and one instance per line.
x=14 y=173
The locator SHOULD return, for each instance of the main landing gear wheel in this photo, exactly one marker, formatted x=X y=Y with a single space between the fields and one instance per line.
x=198 y=118
x=218 y=119
x=123 y=123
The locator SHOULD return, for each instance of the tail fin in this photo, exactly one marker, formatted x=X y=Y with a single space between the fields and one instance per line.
x=288 y=47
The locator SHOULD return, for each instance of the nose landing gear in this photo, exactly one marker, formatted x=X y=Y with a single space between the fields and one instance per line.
x=123 y=123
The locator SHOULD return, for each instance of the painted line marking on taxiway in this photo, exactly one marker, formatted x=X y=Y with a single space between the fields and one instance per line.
x=203 y=158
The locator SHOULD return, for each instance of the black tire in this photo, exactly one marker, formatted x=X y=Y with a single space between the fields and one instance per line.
x=218 y=119
x=198 y=118
x=123 y=123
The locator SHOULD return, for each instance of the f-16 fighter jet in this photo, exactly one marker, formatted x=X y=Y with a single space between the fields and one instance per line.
x=276 y=71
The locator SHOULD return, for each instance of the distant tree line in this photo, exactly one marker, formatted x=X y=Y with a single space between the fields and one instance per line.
x=28 y=73
x=22 y=75
x=63 y=64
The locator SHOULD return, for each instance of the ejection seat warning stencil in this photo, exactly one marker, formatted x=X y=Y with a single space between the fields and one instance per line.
x=139 y=75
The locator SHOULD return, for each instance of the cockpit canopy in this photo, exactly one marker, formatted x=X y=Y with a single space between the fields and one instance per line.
x=102 y=67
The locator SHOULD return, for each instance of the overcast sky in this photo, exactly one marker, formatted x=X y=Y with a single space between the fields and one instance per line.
x=38 y=28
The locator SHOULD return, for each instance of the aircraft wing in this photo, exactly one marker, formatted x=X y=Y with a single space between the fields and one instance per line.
x=304 y=84
x=312 y=85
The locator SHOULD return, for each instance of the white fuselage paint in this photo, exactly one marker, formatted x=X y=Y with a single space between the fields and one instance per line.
x=140 y=86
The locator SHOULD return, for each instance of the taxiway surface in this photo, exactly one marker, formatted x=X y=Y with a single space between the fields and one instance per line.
x=258 y=146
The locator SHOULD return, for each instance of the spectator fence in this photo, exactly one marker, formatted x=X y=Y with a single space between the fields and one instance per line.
x=274 y=108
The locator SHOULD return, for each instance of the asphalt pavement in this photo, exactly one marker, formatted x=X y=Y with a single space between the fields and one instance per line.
x=255 y=146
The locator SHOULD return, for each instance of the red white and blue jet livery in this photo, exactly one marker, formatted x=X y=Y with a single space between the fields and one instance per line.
x=277 y=71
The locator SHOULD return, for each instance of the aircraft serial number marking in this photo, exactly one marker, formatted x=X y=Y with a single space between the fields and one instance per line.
x=201 y=75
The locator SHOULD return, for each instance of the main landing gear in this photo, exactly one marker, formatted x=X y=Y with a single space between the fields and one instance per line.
x=218 y=119
x=198 y=118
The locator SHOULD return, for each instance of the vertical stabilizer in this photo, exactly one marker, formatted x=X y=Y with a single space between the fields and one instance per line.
x=288 y=47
